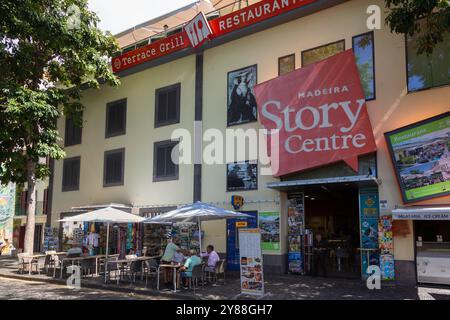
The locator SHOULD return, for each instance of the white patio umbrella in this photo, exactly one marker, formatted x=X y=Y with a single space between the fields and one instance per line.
x=106 y=215
x=197 y=212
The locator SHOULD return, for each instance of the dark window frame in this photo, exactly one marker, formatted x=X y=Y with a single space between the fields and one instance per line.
x=156 y=146
x=318 y=47
x=122 y=177
x=407 y=73
x=66 y=134
x=74 y=187
x=374 y=61
x=108 y=107
x=177 y=87
x=255 y=162
x=283 y=57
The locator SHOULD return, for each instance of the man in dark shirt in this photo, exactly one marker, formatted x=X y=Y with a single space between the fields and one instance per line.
x=320 y=247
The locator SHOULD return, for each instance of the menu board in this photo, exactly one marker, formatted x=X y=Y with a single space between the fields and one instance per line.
x=386 y=244
x=421 y=156
x=251 y=262
x=296 y=219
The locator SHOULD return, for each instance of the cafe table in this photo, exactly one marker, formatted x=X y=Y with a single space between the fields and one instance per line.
x=81 y=258
x=124 y=261
x=174 y=267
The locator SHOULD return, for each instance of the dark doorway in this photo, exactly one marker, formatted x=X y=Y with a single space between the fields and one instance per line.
x=333 y=211
x=37 y=237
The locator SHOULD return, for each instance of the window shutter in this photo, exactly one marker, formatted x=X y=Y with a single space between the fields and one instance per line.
x=45 y=202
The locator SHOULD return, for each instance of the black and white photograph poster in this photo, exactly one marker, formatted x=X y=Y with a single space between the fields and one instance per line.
x=242 y=176
x=241 y=98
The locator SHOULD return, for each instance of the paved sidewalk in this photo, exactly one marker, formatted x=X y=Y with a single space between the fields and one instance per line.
x=281 y=287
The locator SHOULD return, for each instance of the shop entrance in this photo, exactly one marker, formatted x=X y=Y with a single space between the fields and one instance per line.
x=333 y=212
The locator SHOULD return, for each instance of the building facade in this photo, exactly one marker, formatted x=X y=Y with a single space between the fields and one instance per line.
x=121 y=153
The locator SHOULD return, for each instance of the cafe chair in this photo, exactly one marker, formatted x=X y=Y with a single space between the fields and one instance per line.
x=57 y=262
x=87 y=265
x=197 y=273
x=218 y=270
x=150 y=267
x=134 y=268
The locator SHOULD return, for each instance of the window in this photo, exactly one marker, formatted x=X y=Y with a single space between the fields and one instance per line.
x=286 y=64
x=142 y=44
x=323 y=52
x=364 y=50
x=72 y=132
x=425 y=71
x=71 y=174
x=128 y=49
x=164 y=168
x=167 y=105
x=113 y=168
x=116 y=118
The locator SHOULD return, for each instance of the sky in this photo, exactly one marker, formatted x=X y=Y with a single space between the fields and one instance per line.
x=119 y=15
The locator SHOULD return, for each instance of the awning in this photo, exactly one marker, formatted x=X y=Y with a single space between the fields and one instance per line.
x=363 y=181
x=421 y=213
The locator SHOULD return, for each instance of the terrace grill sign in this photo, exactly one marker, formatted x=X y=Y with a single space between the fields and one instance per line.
x=199 y=30
x=319 y=113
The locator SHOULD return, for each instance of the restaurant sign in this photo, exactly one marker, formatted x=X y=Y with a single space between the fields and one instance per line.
x=319 y=113
x=199 y=30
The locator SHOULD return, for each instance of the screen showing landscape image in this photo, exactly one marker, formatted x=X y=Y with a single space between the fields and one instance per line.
x=421 y=155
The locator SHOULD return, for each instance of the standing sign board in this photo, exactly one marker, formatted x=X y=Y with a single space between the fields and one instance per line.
x=251 y=262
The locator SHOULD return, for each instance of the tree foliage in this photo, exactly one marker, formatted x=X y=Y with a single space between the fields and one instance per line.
x=46 y=47
x=427 y=20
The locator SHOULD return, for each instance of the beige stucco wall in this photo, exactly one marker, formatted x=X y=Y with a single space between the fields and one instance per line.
x=138 y=188
x=392 y=109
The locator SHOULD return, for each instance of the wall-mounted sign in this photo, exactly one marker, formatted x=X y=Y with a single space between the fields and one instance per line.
x=269 y=224
x=320 y=112
x=257 y=12
x=421 y=156
x=198 y=30
x=152 y=51
x=241 y=224
x=237 y=202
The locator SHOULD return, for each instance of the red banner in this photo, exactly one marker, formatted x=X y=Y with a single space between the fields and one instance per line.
x=321 y=115
x=152 y=51
x=236 y=20
x=252 y=14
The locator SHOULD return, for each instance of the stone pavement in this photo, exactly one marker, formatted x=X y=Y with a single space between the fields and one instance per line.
x=281 y=287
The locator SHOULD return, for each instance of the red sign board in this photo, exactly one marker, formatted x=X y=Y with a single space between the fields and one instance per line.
x=152 y=51
x=321 y=115
x=255 y=13
x=198 y=30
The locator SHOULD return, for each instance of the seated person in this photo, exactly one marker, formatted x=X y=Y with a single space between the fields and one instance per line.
x=178 y=257
x=185 y=271
x=212 y=256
